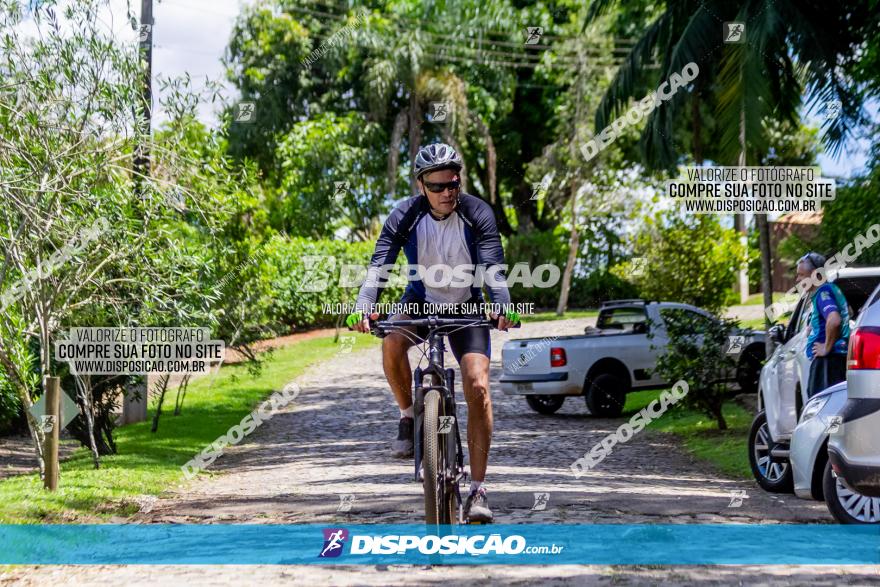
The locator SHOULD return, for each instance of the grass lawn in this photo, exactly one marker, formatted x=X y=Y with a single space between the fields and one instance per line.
x=724 y=449
x=758 y=298
x=754 y=323
x=148 y=463
x=546 y=316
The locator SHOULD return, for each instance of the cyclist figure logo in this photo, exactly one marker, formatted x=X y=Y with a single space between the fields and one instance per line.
x=317 y=270
x=47 y=424
x=834 y=424
x=638 y=265
x=341 y=188
x=735 y=344
x=832 y=109
x=533 y=34
x=345 y=502
x=446 y=423
x=144 y=33
x=734 y=32
x=440 y=111
x=737 y=497
x=334 y=540
x=541 y=500
x=347 y=343
x=245 y=112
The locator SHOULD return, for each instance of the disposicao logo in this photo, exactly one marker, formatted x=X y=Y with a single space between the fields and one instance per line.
x=334 y=541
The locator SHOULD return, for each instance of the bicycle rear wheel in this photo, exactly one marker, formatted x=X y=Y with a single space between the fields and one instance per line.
x=432 y=482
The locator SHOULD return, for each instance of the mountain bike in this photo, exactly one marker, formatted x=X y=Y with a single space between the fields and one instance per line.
x=437 y=438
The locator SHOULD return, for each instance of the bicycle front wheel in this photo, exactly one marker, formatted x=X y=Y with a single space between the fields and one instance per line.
x=432 y=477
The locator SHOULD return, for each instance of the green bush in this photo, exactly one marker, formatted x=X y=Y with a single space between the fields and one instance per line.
x=855 y=208
x=292 y=265
x=686 y=259
x=537 y=248
x=697 y=353
x=597 y=287
x=10 y=407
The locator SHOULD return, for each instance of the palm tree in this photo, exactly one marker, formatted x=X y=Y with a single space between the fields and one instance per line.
x=792 y=49
x=408 y=65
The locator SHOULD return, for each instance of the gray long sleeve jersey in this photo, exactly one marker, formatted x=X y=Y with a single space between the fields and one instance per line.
x=467 y=237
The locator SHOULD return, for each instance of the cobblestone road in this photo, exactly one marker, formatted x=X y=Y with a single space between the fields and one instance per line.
x=335 y=440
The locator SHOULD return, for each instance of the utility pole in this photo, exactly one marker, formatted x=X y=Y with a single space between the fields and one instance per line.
x=142 y=152
x=134 y=397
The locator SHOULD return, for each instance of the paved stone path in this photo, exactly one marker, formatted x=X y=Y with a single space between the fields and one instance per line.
x=335 y=440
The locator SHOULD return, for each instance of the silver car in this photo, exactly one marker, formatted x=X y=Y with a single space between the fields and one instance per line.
x=813 y=477
x=855 y=451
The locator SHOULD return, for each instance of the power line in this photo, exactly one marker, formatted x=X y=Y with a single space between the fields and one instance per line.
x=497 y=32
x=198 y=9
x=521 y=57
x=506 y=34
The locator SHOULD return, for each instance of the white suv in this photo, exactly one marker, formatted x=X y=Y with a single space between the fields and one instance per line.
x=854 y=450
x=782 y=386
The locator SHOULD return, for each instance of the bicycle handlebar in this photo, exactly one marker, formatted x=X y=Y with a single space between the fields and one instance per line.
x=378 y=327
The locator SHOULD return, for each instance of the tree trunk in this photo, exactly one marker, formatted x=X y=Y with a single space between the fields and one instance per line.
x=766 y=270
x=697 y=125
x=36 y=437
x=573 y=242
x=162 y=385
x=415 y=138
x=491 y=157
x=45 y=366
x=84 y=394
x=181 y=393
x=394 y=150
x=719 y=417
x=739 y=220
x=574 y=239
x=450 y=140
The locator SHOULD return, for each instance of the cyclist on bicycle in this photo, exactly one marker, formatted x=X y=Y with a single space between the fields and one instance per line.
x=442 y=226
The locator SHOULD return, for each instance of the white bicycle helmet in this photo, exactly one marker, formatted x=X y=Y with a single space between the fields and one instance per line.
x=435 y=157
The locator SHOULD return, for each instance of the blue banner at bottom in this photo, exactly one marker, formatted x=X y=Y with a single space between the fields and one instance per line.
x=602 y=544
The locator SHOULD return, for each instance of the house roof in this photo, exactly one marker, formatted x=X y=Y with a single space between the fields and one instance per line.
x=800 y=218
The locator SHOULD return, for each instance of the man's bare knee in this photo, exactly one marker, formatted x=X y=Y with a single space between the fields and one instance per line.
x=395 y=345
x=477 y=391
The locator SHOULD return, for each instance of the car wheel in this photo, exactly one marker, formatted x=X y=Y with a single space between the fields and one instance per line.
x=845 y=504
x=748 y=371
x=545 y=404
x=773 y=475
x=606 y=396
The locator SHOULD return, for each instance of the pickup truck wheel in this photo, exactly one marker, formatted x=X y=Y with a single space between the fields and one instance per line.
x=606 y=396
x=545 y=404
x=773 y=475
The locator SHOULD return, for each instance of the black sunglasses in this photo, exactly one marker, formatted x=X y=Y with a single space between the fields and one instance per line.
x=437 y=188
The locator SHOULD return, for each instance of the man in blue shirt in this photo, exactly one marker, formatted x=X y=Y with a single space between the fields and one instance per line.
x=829 y=328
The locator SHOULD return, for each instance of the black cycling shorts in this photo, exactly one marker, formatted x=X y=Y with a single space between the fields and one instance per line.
x=461 y=340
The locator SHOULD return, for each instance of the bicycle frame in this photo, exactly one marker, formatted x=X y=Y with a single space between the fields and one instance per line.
x=436 y=373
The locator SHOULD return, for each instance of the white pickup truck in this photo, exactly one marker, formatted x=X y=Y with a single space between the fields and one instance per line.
x=615 y=357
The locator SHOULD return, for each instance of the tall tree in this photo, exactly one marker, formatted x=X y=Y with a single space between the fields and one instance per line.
x=791 y=48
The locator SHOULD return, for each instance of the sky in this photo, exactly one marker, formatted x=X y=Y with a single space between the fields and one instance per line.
x=188 y=36
x=191 y=36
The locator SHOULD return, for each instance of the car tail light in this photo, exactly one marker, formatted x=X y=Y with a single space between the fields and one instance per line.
x=864 y=348
x=557 y=357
